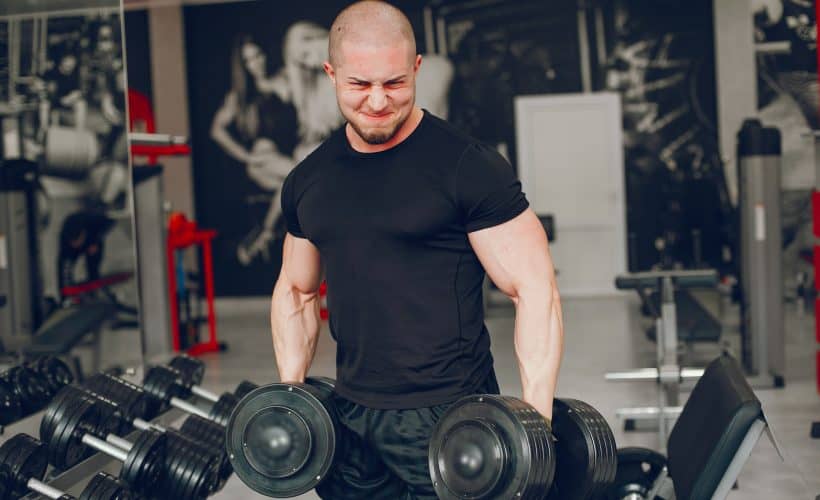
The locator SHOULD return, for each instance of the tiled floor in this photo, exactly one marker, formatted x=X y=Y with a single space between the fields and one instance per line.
x=602 y=335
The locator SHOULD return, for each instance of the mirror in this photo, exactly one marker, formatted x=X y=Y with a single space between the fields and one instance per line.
x=68 y=283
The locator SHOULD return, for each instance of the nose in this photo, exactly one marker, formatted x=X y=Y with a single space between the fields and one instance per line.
x=377 y=100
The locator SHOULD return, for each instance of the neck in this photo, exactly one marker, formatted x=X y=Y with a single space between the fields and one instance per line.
x=407 y=128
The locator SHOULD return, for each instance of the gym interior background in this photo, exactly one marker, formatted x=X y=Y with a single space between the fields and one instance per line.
x=623 y=119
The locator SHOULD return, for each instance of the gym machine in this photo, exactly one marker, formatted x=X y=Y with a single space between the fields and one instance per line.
x=760 y=253
x=667 y=373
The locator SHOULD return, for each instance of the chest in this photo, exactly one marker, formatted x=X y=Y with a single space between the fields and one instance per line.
x=379 y=200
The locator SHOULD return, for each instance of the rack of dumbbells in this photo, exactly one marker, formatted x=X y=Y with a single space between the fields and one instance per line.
x=108 y=422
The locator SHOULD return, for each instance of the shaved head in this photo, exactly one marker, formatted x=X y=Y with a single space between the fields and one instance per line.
x=370 y=22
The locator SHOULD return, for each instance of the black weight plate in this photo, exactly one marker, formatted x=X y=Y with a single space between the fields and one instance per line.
x=582 y=449
x=55 y=371
x=143 y=467
x=92 y=490
x=55 y=410
x=25 y=458
x=244 y=388
x=604 y=453
x=65 y=448
x=204 y=430
x=11 y=409
x=258 y=417
x=165 y=383
x=5 y=484
x=638 y=468
x=225 y=469
x=541 y=442
x=30 y=387
x=191 y=369
x=176 y=467
x=515 y=427
x=327 y=384
x=221 y=410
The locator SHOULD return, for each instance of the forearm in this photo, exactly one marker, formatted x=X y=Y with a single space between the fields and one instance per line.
x=230 y=146
x=295 y=328
x=539 y=345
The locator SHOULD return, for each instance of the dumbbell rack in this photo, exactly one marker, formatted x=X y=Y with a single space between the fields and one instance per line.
x=74 y=478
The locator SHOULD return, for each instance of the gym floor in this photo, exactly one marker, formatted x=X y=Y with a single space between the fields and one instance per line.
x=601 y=335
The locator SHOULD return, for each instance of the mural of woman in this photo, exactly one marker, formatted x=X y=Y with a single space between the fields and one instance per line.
x=276 y=119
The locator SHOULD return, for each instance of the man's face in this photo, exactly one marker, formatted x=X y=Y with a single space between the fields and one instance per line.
x=375 y=87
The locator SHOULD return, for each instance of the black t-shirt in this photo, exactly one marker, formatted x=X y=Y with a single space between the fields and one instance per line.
x=404 y=285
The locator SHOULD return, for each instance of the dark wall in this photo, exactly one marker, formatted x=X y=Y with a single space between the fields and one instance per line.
x=138 y=52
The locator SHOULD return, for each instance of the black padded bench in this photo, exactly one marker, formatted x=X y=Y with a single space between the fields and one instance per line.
x=719 y=426
x=67 y=327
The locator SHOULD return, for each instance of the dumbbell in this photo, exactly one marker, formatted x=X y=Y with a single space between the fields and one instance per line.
x=11 y=409
x=56 y=373
x=160 y=381
x=150 y=466
x=30 y=388
x=282 y=438
x=203 y=440
x=193 y=371
x=132 y=398
x=491 y=446
x=23 y=463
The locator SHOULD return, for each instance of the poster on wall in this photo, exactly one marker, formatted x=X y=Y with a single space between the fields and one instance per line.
x=660 y=58
x=789 y=99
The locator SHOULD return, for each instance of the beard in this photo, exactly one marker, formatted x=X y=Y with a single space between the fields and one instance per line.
x=380 y=135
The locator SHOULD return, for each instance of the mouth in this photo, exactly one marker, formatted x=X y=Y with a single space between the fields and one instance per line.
x=376 y=117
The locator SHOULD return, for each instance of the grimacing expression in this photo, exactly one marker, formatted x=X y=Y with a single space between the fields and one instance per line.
x=375 y=87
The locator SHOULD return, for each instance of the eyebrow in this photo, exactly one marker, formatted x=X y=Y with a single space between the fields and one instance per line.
x=353 y=79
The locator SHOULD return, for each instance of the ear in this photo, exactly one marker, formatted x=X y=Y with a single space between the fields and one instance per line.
x=329 y=71
x=417 y=63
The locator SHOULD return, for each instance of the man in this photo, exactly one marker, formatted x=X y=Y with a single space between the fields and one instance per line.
x=401 y=211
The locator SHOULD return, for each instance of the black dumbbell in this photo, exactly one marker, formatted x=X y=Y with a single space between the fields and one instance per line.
x=11 y=409
x=170 y=386
x=54 y=371
x=150 y=466
x=31 y=388
x=23 y=462
x=282 y=439
x=202 y=440
x=132 y=398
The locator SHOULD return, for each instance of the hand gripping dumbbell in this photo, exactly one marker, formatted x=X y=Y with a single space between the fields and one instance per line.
x=23 y=462
x=491 y=446
x=149 y=465
x=282 y=438
x=202 y=438
x=172 y=386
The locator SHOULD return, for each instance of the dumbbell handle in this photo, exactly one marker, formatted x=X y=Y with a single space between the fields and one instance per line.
x=119 y=442
x=44 y=489
x=105 y=447
x=204 y=393
x=189 y=408
x=142 y=425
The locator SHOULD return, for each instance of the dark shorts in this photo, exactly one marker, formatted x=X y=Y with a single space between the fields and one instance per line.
x=384 y=452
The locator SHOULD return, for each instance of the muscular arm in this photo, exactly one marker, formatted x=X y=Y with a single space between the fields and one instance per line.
x=219 y=130
x=516 y=257
x=294 y=313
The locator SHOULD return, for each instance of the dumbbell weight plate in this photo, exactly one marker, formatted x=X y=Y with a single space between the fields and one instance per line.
x=244 y=388
x=281 y=439
x=221 y=410
x=143 y=468
x=77 y=416
x=55 y=372
x=192 y=370
x=30 y=387
x=586 y=451
x=24 y=457
x=10 y=408
x=490 y=446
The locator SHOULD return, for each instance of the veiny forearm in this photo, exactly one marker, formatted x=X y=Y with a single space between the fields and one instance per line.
x=539 y=345
x=295 y=326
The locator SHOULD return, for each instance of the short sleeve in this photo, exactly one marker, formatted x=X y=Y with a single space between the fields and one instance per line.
x=289 y=207
x=487 y=189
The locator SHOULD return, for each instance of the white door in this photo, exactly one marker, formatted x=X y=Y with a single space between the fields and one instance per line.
x=570 y=162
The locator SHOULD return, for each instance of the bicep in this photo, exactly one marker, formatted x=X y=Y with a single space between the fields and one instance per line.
x=515 y=254
x=301 y=264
